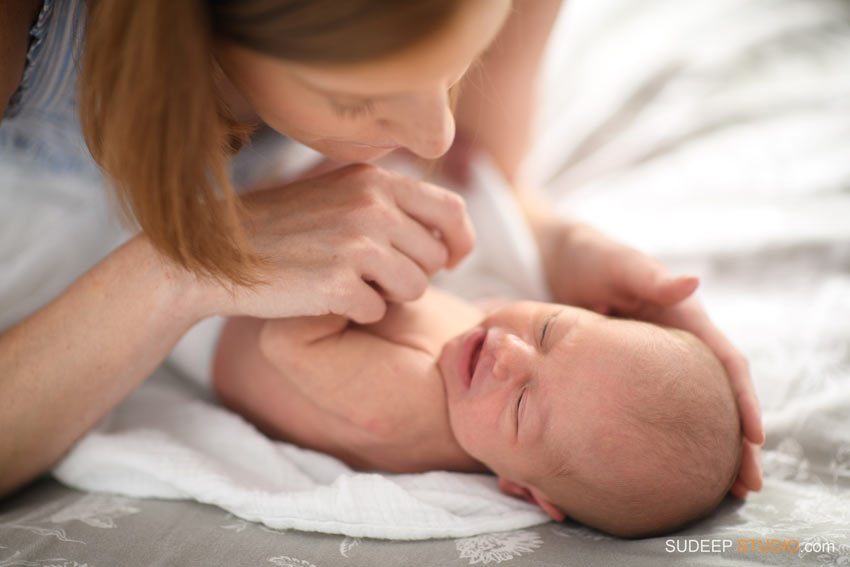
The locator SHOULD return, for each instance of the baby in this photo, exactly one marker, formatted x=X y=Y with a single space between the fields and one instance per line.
x=626 y=426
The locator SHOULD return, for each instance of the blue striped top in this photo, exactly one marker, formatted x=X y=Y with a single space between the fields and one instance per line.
x=40 y=127
x=41 y=131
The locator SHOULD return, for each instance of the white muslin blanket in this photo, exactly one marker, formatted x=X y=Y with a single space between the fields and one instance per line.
x=169 y=439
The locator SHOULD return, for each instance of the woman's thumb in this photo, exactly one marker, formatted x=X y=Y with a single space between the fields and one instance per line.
x=670 y=290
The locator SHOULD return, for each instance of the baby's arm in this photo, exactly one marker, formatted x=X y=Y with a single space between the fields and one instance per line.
x=349 y=371
x=371 y=395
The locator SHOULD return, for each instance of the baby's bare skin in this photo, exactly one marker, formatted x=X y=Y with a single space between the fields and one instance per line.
x=564 y=405
x=369 y=395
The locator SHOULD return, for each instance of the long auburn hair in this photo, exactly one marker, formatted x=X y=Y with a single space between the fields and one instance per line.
x=155 y=123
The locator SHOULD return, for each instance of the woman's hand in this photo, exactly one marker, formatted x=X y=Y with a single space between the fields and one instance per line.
x=586 y=268
x=346 y=242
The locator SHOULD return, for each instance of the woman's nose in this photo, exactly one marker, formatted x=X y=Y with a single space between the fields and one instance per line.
x=424 y=124
x=513 y=358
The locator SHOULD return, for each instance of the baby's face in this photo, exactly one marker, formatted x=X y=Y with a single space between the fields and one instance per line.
x=537 y=388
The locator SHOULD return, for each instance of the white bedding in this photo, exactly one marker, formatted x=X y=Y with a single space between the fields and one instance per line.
x=170 y=441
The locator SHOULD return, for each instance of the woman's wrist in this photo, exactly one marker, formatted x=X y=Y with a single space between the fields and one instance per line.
x=78 y=356
x=188 y=296
x=553 y=236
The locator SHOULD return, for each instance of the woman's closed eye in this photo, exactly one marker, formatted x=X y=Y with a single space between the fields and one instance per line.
x=353 y=110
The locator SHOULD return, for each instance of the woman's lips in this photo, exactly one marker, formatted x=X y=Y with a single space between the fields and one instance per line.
x=377 y=147
x=469 y=355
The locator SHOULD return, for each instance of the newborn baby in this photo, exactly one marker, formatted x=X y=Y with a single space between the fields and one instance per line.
x=626 y=426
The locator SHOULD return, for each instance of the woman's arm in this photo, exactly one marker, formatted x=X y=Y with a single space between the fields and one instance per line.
x=339 y=243
x=64 y=367
x=498 y=100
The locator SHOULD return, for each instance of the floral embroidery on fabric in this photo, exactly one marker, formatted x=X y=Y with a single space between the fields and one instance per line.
x=17 y=561
x=839 y=556
x=579 y=532
x=284 y=561
x=96 y=510
x=347 y=545
x=497 y=547
x=58 y=533
x=239 y=525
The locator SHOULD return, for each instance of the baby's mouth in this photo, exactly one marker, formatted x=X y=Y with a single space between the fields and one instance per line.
x=476 y=354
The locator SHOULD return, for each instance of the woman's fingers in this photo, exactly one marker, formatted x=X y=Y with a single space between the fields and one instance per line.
x=347 y=241
x=749 y=475
x=738 y=490
x=643 y=279
x=738 y=369
x=418 y=243
x=671 y=290
x=748 y=404
x=439 y=210
x=361 y=303
x=690 y=316
x=394 y=275
x=650 y=281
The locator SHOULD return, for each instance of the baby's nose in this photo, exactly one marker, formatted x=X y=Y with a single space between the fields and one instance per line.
x=513 y=358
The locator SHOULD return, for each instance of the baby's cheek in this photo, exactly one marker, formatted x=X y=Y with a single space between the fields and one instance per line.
x=468 y=429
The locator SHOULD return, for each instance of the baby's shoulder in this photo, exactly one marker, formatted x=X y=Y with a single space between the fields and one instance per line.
x=427 y=323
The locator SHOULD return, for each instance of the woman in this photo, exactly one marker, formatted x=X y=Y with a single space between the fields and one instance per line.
x=165 y=91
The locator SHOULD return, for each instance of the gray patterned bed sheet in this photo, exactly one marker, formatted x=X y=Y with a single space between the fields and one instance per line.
x=752 y=165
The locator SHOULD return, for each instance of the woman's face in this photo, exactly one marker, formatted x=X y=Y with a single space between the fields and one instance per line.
x=362 y=111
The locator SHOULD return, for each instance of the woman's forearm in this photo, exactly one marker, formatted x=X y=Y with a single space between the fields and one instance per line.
x=498 y=101
x=64 y=367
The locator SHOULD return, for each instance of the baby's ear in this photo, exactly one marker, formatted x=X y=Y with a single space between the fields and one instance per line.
x=531 y=494
x=512 y=488
x=540 y=499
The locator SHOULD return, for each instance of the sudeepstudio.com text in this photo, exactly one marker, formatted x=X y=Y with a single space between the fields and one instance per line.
x=747 y=546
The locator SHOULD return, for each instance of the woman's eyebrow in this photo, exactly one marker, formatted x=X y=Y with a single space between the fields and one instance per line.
x=330 y=92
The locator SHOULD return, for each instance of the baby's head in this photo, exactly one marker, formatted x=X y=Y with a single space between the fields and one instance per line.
x=626 y=426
